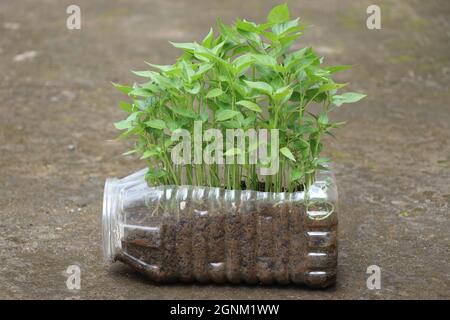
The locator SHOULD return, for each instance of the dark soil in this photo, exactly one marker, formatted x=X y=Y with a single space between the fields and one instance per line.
x=236 y=237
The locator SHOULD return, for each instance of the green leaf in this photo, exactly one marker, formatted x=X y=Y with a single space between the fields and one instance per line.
x=279 y=14
x=286 y=27
x=246 y=25
x=335 y=69
x=260 y=86
x=287 y=153
x=348 y=97
x=155 y=174
x=204 y=67
x=285 y=41
x=149 y=153
x=295 y=175
x=217 y=48
x=161 y=80
x=323 y=119
x=249 y=105
x=156 y=124
x=240 y=88
x=122 y=125
x=214 y=93
x=194 y=88
x=331 y=86
x=249 y=121
x=283 y=94
x=172 y=125
x=301 y=143
x=207 y=41
x=128 y=122
x=145 y=74
x=227 y=32
x=122 y=88
x=337 y=124
x=145 y=104
x=184 y=112
x=168 y=143
x=188 y=46
x=226 y=114
x=140 y=92
x=188 y=72
x=243 y=62
x=265 y=60
x=231 y=124
x=125 y=106
x=150 y=86
x=164 y=68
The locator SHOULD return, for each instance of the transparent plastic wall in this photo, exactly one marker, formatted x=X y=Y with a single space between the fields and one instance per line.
x=187 y=233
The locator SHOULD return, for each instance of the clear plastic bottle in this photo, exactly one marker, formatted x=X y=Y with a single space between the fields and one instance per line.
x=188 y=233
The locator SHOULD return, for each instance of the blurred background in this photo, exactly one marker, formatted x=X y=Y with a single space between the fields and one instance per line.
x=57 y=140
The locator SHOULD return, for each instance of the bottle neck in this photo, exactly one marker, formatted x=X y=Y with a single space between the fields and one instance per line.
x=109 y=219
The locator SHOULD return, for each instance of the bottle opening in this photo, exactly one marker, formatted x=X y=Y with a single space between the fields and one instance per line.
x=108 y=218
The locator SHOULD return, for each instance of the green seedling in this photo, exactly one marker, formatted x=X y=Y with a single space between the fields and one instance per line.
x=240 y=76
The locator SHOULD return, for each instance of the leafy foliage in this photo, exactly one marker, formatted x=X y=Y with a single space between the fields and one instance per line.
x=243 y=76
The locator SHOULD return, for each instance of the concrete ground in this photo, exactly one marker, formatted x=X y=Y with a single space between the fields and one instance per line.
x=57 y=142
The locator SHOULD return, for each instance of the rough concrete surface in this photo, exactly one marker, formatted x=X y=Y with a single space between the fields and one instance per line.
x=57 y=142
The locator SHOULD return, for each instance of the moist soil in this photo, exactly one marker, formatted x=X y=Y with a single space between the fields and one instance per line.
x=253 y=242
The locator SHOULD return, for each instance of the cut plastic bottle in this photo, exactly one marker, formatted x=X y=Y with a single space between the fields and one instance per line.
x=213 y=235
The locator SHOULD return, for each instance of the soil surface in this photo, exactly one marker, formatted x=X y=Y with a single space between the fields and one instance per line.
x=57 y=142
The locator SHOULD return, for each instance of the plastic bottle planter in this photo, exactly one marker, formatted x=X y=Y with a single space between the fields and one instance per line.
x=186 y=233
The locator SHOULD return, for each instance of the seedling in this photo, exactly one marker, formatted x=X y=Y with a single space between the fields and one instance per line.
x=240 y=76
